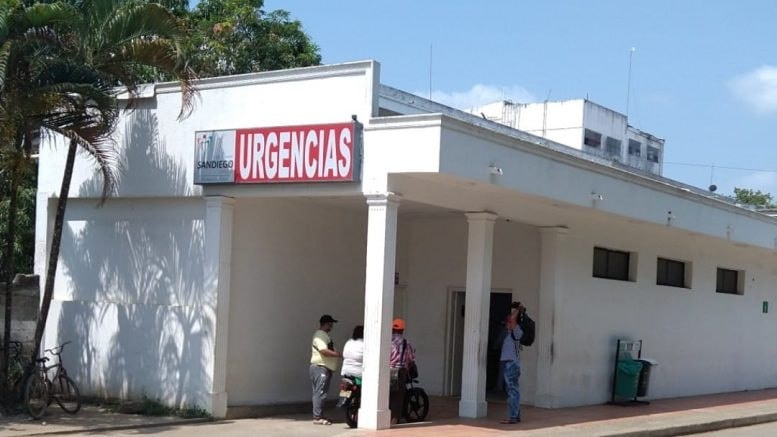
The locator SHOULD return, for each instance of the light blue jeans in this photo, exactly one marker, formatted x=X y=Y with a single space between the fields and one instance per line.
x=512 y=376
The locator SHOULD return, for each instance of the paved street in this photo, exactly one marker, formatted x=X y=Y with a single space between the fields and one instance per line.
x=765 y=429
x=659 y=418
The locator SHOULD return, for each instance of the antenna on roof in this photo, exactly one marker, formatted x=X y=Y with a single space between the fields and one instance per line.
x=628 y=81
x=430 y=71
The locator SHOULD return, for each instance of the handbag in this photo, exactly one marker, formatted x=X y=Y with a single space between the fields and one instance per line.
x=394 y=379
x=412 y=371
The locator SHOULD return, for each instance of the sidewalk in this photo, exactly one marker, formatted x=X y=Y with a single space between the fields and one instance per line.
x=665 y=417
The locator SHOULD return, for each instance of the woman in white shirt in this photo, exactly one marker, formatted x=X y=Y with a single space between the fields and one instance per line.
x=353 y=355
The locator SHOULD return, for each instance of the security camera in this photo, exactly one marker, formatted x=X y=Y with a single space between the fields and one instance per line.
x=496 y=171
x=596 y=196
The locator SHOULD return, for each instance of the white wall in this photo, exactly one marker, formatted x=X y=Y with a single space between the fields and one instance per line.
x=129 y=296
x=437 y=262
x=292 y=261
x=705 y=342
x=467 y=153
x=328 y=94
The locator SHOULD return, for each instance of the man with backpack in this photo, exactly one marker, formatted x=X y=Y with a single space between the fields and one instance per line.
x=519 y=331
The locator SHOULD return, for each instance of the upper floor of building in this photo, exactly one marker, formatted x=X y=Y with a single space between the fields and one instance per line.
x=583 y=125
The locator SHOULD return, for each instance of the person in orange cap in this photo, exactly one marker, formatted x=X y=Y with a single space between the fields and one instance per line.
x=402 y=356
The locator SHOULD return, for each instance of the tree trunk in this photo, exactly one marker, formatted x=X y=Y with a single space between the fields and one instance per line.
x=56 y=238
x=9 y=269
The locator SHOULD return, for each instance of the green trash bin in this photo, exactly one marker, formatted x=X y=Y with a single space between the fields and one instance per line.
x=627 y=378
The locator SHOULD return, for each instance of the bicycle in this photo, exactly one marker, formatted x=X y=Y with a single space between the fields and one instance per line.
x=39 y=391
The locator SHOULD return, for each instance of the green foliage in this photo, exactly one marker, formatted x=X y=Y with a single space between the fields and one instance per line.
x=753 y=197
x=152 y=407
x=24 y=241
x=238 y=36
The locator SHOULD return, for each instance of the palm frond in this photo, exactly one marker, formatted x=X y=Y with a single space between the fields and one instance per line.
x=99 y=148
x=141 y=20
x=160 y=54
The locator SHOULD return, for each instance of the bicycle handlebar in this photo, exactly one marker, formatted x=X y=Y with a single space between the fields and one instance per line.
x=57 y=350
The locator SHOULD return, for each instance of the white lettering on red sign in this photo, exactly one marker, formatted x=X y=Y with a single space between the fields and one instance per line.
x=295 y=153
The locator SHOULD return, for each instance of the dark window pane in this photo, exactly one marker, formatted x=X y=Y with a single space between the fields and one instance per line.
x=635 y=148
x=611 y=264
x=728 y=281
x=600 y=262
x=652 y=154
x=592 y=139
x=613 y=146
x=661 y=272
x=675 y=273
x=618 y=265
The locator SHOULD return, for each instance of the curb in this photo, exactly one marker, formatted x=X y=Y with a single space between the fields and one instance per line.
x=696 y=428
x=84 y=430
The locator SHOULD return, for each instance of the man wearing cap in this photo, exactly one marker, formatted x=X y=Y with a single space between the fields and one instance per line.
x=511 y=360
x=323 y=361
x=402 y=355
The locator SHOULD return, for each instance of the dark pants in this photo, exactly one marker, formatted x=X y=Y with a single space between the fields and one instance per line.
x=397 y=397
x=320 y=377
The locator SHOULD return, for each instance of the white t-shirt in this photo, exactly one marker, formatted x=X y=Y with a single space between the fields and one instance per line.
x=353 y=358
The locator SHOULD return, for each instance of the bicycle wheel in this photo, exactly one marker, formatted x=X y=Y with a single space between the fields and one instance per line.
x=66 y=394
x=416 y=405
x=36 y=395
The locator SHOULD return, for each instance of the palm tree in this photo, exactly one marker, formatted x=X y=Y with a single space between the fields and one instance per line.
x=116 y=42
x=27 y=39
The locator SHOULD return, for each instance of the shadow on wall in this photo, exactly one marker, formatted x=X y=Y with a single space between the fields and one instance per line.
x=138 y=319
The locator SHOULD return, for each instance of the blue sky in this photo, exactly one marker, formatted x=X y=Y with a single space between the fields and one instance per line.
x=703 y=75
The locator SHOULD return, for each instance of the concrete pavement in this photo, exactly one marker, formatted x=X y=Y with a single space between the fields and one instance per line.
x=664 y=417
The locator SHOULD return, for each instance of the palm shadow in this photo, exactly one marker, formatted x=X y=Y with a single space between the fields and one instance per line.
x=135 y=308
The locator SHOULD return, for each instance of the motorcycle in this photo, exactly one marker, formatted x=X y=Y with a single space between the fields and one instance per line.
x=350 y=399
x=415 y=406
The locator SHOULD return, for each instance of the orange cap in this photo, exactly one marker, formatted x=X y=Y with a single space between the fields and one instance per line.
x=398 y=324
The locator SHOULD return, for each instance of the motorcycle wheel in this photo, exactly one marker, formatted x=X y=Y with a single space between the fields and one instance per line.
x=416 y=405
x=352 y=414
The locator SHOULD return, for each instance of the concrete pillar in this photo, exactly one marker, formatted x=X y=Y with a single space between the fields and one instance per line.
x=480 y=244
x=551 y=280
x=378 y=309
x=218 y=260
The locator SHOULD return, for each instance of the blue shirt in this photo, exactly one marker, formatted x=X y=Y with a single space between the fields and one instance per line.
x=510 y=351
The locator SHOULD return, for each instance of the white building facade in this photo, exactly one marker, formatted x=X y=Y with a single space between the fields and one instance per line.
x=201 y=281
x=583 y=125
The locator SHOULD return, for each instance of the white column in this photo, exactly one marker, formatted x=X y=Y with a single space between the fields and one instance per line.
x=480 y=244
x=218 y=260
x=378 y=308
x=551 y=271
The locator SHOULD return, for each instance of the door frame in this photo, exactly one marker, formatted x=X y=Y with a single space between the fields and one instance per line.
x=450 y=345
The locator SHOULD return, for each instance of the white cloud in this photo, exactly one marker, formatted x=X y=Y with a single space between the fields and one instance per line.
x=479 y=95
x=757 y=88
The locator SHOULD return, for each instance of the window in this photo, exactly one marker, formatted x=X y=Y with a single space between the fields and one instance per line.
x=592 y=139
x=671 y=273
x=611 y=264
x=613 y=146
x=652 y=154
x=635 y=148
x=729 y=281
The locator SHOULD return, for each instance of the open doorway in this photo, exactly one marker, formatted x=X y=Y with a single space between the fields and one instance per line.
x=499 y=307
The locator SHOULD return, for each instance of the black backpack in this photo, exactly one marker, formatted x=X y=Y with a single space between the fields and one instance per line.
x=527 y=326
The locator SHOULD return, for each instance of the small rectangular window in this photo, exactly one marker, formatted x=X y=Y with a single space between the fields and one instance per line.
x=671 y=273
x=592 y=139
x=652 y=154
x=613 y=146
x=635 y=148
x=611 y=264
x=729 y=281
